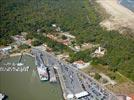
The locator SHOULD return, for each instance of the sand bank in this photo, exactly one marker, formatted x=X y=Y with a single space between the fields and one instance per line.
x=121 y=18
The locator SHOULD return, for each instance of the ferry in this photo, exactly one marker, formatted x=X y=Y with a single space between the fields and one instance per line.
x=43 y=73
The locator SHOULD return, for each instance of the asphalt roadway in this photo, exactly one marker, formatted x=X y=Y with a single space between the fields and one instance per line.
x=76 y=81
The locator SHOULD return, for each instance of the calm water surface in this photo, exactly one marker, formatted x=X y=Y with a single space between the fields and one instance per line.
x=128 y=3
x=26 y=85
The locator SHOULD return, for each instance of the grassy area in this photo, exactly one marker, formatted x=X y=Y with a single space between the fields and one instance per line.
x=122 y=88
x=105 y=69
x=118 y=77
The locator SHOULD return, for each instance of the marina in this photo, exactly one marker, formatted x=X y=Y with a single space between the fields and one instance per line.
x=43 y=69
x=75 y=84
x=26 y=84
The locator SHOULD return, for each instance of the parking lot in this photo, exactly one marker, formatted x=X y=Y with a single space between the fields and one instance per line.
x=78 y=84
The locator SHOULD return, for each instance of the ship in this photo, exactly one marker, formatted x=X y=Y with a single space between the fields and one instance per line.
x=42 y=69
x=43 y=73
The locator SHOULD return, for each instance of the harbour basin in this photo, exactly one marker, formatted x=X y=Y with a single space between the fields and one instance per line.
x=26 y=85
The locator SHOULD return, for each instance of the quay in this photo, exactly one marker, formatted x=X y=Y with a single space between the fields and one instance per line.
x=62 y=83
x=41 y=67
x=75 y=84
x=52 y=75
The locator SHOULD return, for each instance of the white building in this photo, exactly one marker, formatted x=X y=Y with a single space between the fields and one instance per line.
x=54 y=25
x=77 y=48
x=69 y=96
x=41 y=47
x=6 y=49
x=19 y=39
x=24 y=34
x=63 y=56
x=68 y=35
x=81 y=94
x=81 y=64
x=58 y=29
x=99 y=52
x=124 y=97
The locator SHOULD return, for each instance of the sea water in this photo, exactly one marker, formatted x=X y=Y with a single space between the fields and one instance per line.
x=128 y=3
x=25 y=85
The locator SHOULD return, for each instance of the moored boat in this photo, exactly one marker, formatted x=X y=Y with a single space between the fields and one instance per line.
x=43 y=73
x=3 y=97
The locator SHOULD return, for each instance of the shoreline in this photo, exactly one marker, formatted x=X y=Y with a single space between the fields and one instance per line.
x=126 y=5
x=121 y=18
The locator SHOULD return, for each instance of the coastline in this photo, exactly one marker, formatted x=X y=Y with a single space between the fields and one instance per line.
x=128 y=4
x=121 y=18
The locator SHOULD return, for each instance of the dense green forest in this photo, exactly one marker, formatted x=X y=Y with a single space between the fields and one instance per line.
x=80 y=17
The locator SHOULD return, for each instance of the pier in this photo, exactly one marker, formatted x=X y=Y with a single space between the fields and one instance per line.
x=52 y=75
x=75 y=84
x=62 y=83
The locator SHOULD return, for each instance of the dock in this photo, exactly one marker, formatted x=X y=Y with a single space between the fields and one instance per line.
x=62 y=83
x=75 y=84
x=41 y=67
x=52 y=75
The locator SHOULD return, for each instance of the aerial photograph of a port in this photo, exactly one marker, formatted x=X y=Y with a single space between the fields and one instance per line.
x=66 y=49
x=75 y=84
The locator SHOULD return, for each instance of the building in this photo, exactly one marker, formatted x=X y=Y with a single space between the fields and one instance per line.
x=54 y=25
x=41 y=47
x=131 y=96
x=81 y=64
x=69 y=95
x=63 y=56
x=24 y=34
x=29 y=42
x=77 y=48
x=19 y=39
x=58 y=29
x=68 y=35
x=99 y=52
x=124 y=97
x=6 y=49
x=50 y=36
x=65 y=42
x=81 y=94
x=86 y=46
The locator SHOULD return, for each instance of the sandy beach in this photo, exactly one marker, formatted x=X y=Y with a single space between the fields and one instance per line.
x=121 y=18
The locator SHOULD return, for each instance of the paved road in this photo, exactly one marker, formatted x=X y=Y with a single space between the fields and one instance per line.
x=75 y=81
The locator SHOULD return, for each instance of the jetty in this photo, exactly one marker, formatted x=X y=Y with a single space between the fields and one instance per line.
x=75 y=84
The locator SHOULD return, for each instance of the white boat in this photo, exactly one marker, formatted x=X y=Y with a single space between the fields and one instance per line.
x=43 y=73
x=20 y=64
x=3 y=97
